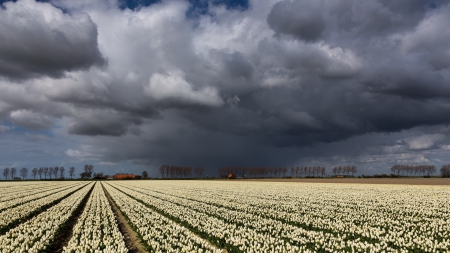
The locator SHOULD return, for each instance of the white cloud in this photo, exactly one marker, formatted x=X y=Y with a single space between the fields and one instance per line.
x=31 y=120
x=423 y=142
x=173 y=86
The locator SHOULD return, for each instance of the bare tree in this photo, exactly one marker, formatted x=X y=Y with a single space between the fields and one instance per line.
x=71 y=171
x=162 y=170
x=24 y=173
x=61 y=172
x=198 y=172
x=144 y=174
x=55 y=171
x=34 y=172
x=46 y=170
x=6 y=173
x=40 y=170
x=353 y=170
x=323 y=171
x=50 y=172
x=87 y=171
x=13 y=172
x=445 y=171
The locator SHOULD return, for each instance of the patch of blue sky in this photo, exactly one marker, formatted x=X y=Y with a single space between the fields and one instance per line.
x=21 y=130
x=196 y=4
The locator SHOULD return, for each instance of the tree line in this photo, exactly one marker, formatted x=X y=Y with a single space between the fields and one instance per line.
x=252 y=171
x=171 y=171
x=298 y=171
x=57 y=172
x=308 y=171
x=344 y=170
x=413 y=170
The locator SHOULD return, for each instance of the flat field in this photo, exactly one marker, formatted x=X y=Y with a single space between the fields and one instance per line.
x=225 y=216
x=407 y=181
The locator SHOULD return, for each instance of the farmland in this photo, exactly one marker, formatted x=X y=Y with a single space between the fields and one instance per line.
x=213 y=216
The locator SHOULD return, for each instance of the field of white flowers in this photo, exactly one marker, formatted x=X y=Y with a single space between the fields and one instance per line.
x=213 y=216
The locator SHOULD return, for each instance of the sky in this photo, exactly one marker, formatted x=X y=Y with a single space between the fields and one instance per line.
x=130 y=85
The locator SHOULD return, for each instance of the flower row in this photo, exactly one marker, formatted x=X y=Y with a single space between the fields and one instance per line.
x=37 y=233
x=12 y=215
x=96 y=229
x=27 y=195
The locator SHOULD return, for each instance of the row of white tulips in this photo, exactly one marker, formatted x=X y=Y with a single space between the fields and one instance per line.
x=10 y=215
x=96 y=229
x=10 y=189
x=20 y=184
x=28 y=194
x=159 y=232
x=37 y=233
x=389 y=217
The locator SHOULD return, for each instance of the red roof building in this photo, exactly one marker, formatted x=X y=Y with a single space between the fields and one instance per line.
x=124 y=176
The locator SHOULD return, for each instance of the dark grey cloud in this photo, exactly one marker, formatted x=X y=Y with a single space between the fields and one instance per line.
x=103 y=122
x=37 y=39
x=301 y=19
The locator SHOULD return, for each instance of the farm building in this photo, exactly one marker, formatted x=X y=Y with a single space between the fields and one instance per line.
x=124 y=176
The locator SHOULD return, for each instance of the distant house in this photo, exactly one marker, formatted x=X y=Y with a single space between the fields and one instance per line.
x=124 y=176
x=109 y=177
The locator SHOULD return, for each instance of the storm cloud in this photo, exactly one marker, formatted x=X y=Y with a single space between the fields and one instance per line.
x=37 y=39
x=275 y=84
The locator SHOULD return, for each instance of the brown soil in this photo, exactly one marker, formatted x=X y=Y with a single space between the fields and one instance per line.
x=406 y=181
x=131 y=238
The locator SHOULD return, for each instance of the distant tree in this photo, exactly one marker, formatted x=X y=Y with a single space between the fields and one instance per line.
x=98 y=175
x=198 y=171
x=40 y=170
x=71 y=171
x=162 y=170
x=46 y=171
x=24 y=173
x=50 y=172
x=431 y=169
x=6 y=173
x=445 y=171
x=353 y=170
x=34 y=172
x=87 y=171
x=323 y=171
x=12 y=172
x=55 y=172
x=144 y=174
x=61 y=172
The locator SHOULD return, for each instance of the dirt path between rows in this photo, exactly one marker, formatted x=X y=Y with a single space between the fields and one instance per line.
x=131 y=238
x=406 y=181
